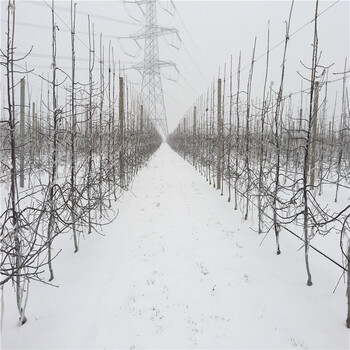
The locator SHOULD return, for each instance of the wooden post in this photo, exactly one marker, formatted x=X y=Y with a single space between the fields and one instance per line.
x=141 y=119
x=33 y=124
x=194 y=134
x=184 y=139
x=314 y=137
x=348 y=290
x=22 y=131
x=74 y=132
x=194 y=121
x=86 y=129
x=218 y=160
x=121 y=130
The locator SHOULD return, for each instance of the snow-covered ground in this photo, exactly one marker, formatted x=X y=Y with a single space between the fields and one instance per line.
x=179 y=268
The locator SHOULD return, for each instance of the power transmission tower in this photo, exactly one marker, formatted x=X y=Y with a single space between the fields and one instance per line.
x=150 y=67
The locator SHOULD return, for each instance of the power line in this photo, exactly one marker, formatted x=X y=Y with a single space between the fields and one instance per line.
x=177 y=57
x=281 y=42
x=88 y=14
x=43 y=55
x=194 y=63
x=93 y=52
x=193 y=42
x=295 y=32
x=174 y=99
x=39 y=26
x=187 y=82
x=67 y=58
x=69 y=29
x=261 y=56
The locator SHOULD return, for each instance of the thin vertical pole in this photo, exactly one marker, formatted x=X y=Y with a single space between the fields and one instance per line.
x=218 y=160
x=194 y=134
x=22 y=131
x=121 y=130
x=141 y=119
x=314 y=137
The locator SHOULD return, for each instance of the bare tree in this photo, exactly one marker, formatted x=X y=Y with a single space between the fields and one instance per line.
x=277 y=140
x=261 y=149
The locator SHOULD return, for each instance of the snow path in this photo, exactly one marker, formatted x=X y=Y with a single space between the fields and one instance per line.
x=180 y=269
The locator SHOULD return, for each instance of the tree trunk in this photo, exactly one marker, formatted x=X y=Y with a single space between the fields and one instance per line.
x=261 y=148
x=218 y=140
x=277 y=121
x=22 y=133
x=247 y=165
x=307 y=153
x=348 y=287
x=121 y=132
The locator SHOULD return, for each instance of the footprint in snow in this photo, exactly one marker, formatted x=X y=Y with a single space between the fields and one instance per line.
x=239 y=246
x=204 y=270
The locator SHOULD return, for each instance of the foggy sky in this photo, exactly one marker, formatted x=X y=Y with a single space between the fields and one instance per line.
x=210 y=31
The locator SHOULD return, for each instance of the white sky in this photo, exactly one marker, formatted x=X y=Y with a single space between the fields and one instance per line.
x=211 y=31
